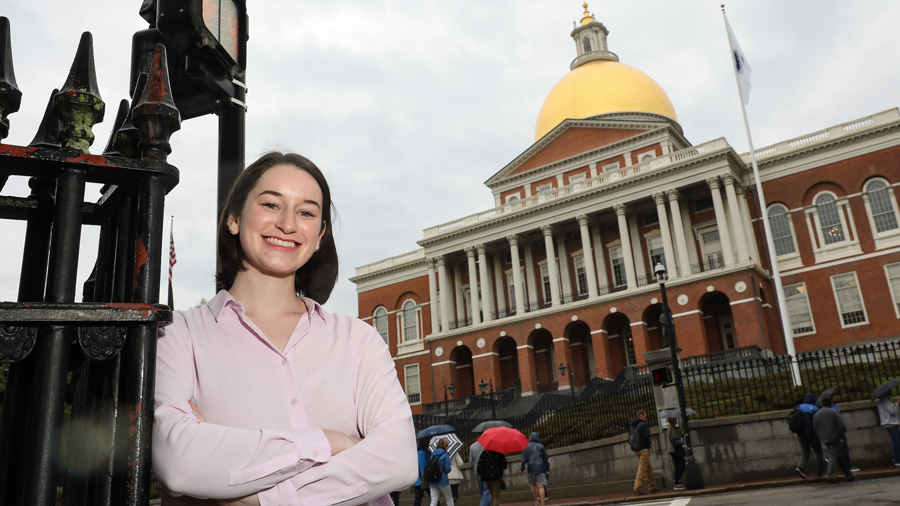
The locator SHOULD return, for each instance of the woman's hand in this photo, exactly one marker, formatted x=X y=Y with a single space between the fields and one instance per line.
x=339 y=441
x=196 y=410
x=250 y=500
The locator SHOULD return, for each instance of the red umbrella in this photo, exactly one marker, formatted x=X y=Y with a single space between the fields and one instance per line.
x=503 y=440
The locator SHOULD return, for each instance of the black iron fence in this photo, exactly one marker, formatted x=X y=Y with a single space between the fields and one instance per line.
x=733 y=382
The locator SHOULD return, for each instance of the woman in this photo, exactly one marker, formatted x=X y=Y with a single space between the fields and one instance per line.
x=442 y=485
x=423 y=455
x=455 y=475
x=675 y=444
x=262 y=397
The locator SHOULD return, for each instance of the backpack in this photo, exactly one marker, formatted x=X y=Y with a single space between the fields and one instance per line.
x=488 y=468
x=432 y=472
x=795 y=421
x=633 y=439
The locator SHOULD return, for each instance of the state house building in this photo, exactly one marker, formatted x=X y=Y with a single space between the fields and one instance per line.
x=560 y=270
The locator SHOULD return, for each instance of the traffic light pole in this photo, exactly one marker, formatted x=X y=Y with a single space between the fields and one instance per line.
x=232 y=115
x=693 y=477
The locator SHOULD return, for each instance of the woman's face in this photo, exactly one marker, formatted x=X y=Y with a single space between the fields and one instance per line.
x=280 y=225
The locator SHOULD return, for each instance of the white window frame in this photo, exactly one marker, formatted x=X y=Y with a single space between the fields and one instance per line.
x=797 y=303
x=580 y=274
x=652 y=238
x=383 y=329
x=405 y=344
x=511 y=287
x=412 y=384
x=894 y=284
x=577 y=178
x=791 y=259
x=840 y=249
x=615 y=253
x=852 y=289
x=543 y=188
x=712 y=249
x=888 y=238
x=646 y=157
x=611 y=167
x=515 y=197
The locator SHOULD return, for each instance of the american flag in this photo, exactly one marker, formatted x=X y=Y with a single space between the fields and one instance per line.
x=172 y=262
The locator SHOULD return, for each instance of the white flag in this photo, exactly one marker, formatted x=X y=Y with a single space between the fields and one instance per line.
x=741 y=65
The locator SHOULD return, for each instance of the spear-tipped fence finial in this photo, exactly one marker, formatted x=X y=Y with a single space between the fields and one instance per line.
x=78 y=103
x=47 y=135
x=10 y=96
x=155 y=114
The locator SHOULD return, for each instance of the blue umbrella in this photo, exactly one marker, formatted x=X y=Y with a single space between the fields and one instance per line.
x=434 y=430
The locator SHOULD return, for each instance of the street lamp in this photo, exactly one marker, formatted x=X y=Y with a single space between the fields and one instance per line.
x=483 y=386
x=693 y=477
x=562 y=372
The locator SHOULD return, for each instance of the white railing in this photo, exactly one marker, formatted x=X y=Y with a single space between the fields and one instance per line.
x=391 y=262
x=585 y=185
x=832 y=133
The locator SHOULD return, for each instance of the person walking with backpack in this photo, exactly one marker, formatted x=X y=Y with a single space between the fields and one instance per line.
x=639 y=440
x=535 y=458
x=441 y=459
x=831 y=430
x=807 y=436
x=675 y=445
x=475 y=451
x=419 y=486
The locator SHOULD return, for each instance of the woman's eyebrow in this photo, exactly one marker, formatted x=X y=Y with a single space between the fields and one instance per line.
x=278 y=194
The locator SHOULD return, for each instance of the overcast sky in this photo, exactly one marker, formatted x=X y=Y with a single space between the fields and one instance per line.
x=408 y=106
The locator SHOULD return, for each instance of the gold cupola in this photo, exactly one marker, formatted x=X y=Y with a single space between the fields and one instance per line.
x=599 y=84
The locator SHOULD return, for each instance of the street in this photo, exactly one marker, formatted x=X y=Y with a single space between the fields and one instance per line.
x=880 y=491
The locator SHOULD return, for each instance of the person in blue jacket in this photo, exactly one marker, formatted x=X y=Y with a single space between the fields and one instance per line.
x=808 y=438
x=418 y=486
x=535 y=458
x=444 y=483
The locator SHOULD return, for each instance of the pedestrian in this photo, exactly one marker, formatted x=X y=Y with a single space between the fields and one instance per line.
x=442 y=485
x=808 y=439
x=455 y=476
x=846 y=448
x=261 y=394
x=675 y=445
x=534 y=456
x=419 y=487
x=475 y=451
x=888 y=415
x=490 y=467
x=639 y=439
x=831 y=430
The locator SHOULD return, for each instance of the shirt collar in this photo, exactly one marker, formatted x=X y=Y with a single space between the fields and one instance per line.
x=223 y=299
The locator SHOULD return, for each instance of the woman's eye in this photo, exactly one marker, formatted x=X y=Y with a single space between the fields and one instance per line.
x=270 y=205
x=307 y=214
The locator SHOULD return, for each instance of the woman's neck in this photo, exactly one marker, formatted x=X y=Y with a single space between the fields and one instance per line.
x=266 y=295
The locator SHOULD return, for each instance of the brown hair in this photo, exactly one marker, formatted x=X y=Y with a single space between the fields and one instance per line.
x=317 y=277
x=442 y=444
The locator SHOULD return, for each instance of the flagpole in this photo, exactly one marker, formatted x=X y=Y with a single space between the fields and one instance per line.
x=770 y=243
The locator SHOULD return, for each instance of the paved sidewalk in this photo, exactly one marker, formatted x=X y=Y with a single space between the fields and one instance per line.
x=868 y=473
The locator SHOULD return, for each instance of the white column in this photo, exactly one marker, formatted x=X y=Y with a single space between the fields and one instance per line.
x=625 y=240
x=517 y=273
x=552 y=269
x=475 y=310
x=446 y=294
x=684 y=261
x=737 y=222
x=458 y=296
x=745 y=219
x=600 y=262
x=499 y=286
x=432 y=296
x=530 y=295
x=637 y=249
x=660 y=200
x=565 y=280
x=721 y=220
x=487 y=300
x=588 y=255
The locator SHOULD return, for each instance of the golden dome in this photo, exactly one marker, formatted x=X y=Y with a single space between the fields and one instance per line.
x=601 y=87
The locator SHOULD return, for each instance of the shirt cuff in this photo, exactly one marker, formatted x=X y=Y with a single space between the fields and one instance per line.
x=311 y=448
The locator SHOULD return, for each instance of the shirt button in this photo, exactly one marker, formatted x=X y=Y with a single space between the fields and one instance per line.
x=283 y=362
x=293 y=402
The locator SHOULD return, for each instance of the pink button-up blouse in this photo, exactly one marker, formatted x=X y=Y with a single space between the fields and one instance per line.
x=265 y=410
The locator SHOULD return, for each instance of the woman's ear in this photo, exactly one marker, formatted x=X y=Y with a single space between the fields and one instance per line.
x=234 y=226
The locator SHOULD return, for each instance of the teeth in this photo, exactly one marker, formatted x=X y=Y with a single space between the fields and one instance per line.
x=279 y=242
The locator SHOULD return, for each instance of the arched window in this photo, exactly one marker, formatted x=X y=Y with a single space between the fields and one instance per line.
x=830 y=222
x=410 y=321
x=586 y=44
x=881 y=205
x=379 y=321
x=782 y=232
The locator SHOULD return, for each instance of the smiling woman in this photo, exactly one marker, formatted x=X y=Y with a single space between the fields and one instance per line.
x=262 y=397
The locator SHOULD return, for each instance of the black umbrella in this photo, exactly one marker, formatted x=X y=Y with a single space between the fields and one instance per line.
x=828 y=392
x=885 y=387
x=483 y=426
x=434 y=430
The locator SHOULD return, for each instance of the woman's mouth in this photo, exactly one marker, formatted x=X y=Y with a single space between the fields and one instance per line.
x=279 y=242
